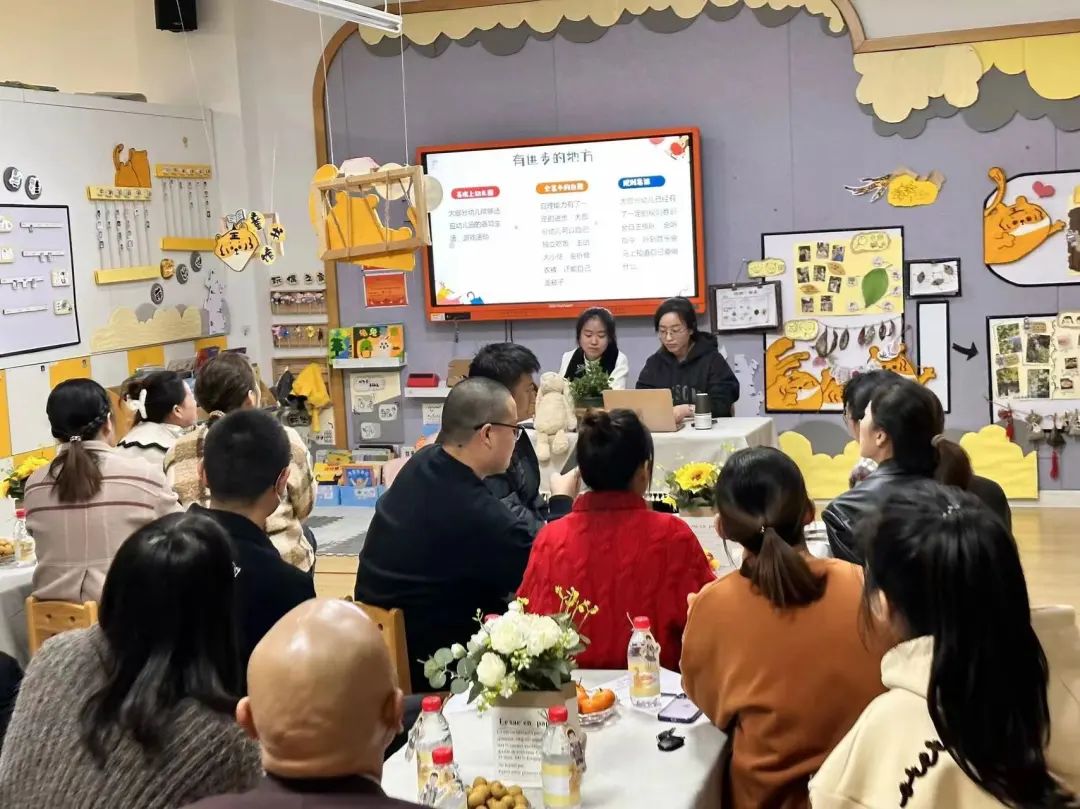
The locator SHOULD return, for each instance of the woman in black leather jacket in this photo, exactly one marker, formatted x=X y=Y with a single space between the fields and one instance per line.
x=901 y=431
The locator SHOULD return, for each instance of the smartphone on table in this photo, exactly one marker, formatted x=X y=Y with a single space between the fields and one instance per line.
x=680 y=711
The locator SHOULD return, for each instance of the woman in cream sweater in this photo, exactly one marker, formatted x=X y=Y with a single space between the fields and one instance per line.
x=980 y=711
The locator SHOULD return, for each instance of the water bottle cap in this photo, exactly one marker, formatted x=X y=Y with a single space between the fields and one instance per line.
x=442 y=756
x=557 y=714
x=20 y=514
x=431 y=704
x=642 y=622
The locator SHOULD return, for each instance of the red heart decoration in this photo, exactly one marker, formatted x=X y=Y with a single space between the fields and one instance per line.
x=1043 y=190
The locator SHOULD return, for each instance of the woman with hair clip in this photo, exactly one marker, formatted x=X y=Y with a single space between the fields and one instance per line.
x=976 y=714
x=772 y=653
x=138 y=711
x=164 y=409
x=226 y=383
x=615 y=550
x=82 y=506
x=595 y=332
x=901 y=432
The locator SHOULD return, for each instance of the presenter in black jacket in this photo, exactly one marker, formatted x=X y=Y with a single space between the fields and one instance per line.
x=688 y=362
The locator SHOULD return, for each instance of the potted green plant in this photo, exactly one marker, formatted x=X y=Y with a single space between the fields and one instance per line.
x=588 y=389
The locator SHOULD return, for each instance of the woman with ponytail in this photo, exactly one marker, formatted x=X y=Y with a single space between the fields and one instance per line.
x=616 y=551
x=772 y=653
x=226 y=383
x=901 y=432
x=977 y=713
x=91 y=498
x=164 y=409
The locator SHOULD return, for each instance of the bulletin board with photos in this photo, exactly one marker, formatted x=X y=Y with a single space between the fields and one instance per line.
x=843 y=305
x=1034 y=359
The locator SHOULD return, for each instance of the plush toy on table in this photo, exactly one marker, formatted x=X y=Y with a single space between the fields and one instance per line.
x=554 y=416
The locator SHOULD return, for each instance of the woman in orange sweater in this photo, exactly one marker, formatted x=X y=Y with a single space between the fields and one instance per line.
x=775 y=654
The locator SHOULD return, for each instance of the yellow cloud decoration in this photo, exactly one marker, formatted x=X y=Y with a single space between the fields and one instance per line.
x=125 y=330
x=994 y=456
x=544 y=16
x=896 y=82
x=826 y=475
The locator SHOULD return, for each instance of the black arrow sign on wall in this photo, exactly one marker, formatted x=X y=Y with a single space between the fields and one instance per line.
x=967 y=352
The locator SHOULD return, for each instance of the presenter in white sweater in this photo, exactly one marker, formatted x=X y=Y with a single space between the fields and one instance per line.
x=596 y=341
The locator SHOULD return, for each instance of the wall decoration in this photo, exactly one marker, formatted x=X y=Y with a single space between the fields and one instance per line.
x=750 y=398
x=826 y=476
x=299 y=335
x=385 y=290
x=933 y=278
x=182 y=273
x=298 y=303
x=376 y=406
x=1030 y=223
x=214 y=303
x=37 y=288
x=935 y=341
x=157 y=294
x=133 y=172
x=237 y=245
x=347 y=221
x=122 y=230
x=903 y=188
x=753 y=307
x=185 y=191
x=1034 y=362
x=125 y=330
x=13 y=179
x=33 y=187
x=167 y=267
x=994 y=456
x=766 y=268
x=845 y=304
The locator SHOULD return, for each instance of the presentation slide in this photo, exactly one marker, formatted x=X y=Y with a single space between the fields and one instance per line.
x=578 y=221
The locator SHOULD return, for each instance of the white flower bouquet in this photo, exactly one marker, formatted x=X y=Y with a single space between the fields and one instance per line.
x=517 y=651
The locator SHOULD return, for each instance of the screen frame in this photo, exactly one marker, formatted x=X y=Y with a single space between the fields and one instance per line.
x=639 y=307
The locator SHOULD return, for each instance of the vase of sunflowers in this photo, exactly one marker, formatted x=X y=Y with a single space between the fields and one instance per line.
x=690 y=488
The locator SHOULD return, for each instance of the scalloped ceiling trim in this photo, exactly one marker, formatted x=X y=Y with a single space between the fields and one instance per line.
x=897 y=83
x=544 y=16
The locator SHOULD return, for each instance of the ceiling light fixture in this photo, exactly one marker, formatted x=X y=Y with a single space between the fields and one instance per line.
x=351 y=11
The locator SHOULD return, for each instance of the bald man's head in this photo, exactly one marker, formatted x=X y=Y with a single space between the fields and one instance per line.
x=322 y=697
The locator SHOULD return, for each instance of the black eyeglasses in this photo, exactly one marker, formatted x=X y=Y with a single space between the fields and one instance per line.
x=516 y=428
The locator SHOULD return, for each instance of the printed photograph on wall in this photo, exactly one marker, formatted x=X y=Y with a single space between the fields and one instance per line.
x=846 y=290
x=1036 y=359
x=933 y=278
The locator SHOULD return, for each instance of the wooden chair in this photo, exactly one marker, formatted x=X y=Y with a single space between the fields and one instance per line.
x=391 y=624
x=47 y=618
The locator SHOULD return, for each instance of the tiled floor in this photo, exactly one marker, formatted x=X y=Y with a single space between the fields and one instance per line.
x=340 y=531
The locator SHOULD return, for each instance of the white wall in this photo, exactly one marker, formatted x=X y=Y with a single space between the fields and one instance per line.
x=251 y=63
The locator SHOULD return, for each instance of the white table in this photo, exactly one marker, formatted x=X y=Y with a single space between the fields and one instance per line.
x=625 y=768
x=688 y=445
x=14 y=588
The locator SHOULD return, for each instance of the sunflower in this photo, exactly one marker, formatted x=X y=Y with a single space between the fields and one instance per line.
x=694 y=477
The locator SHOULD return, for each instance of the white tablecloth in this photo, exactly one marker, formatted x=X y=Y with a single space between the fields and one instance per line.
x=688 y=445
x=625 y=768
x=14 y=588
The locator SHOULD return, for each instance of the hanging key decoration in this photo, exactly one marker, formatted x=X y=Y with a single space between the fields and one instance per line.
x=188 y=206
x=121 y=217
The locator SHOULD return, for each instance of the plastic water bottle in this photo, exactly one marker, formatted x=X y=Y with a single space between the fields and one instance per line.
x=431 y=733
x=24 y=545
x=559 y=771
x=444 y=788
x=643 y=662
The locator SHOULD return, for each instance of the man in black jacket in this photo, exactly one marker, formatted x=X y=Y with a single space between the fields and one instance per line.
x=441 y=546
x=246 y=467
x=518 y=487
x=688 y=362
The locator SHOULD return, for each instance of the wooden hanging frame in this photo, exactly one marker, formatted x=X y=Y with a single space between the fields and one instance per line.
x=410 y=178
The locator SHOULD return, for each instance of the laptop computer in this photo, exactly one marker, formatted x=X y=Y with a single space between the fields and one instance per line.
x=655 y=408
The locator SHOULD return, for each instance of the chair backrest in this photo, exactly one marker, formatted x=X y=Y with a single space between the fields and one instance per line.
x=47 y=618
x=391 y=624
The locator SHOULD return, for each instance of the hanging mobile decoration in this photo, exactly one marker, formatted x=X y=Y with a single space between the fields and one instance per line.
x=1006 y=415
x=844 y=339
x=1034 y=421
x=187 y=206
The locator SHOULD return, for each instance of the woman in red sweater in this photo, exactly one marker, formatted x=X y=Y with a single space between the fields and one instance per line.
x=619 y=554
